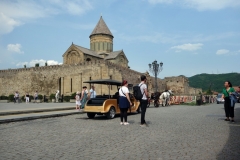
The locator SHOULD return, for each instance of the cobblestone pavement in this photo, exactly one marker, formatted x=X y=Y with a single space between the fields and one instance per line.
x=4 y=107
x=176 y=132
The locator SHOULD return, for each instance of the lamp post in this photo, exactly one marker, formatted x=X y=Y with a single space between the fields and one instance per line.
x=155 y=68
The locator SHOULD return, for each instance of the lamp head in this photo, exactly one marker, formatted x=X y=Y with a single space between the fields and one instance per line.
x=150 y=65
x=161 y=64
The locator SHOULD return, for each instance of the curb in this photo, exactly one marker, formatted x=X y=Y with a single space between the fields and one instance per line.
x=34 y=111
x=37 y=117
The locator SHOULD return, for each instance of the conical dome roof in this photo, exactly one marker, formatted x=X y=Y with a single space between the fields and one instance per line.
x=101 y=28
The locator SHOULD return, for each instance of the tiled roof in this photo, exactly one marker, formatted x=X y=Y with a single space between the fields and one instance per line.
x=88 y=51
x=101 y=28
x=113 y=55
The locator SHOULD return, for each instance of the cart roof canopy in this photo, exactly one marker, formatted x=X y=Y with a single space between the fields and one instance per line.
x=105 y=81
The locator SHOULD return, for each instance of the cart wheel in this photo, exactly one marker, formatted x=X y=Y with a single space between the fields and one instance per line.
x=91 y=115
x=111 y=114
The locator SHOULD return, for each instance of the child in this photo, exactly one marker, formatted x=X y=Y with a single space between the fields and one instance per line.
x=78 y=103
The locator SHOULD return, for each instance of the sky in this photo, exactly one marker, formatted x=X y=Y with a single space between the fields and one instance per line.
x=189 y=36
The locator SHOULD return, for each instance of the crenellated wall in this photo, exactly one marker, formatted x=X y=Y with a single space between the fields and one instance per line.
x=69 y=79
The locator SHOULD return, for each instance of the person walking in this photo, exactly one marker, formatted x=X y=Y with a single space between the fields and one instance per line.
x=27 y=97
x=84 y=97
x=16 y=97
x=124 y=102
x=144 y=100
x=78 y=103
x=35 y=96
x=93 y=93
x=226 y=93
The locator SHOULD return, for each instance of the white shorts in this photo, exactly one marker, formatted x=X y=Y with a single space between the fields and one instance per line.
x=78 y=103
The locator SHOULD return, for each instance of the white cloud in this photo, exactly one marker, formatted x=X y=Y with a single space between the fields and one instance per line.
x=222 y=51
x=153 y=38
x=15 y=13
x=188 y=47
x=40 y=61
x=74 y=7
x=7 y=24
x=14 y=48
x=160 y=1
x=201 y=4
x=165 y=38
x=212 y=4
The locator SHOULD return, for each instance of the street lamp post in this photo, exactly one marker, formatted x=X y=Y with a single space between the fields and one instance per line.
x=155 y=68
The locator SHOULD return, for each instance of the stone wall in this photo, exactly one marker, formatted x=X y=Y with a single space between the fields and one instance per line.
x=66 y=78
x=69 y=79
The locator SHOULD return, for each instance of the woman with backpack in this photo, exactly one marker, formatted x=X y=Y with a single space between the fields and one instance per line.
x=124 y=102
x=226 y=93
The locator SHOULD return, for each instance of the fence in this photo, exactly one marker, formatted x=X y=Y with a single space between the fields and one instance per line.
x=192 y=99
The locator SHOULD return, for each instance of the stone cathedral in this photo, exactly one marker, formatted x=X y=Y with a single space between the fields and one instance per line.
x=82 y=64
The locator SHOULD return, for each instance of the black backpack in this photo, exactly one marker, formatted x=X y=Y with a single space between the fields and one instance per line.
x=137 y=93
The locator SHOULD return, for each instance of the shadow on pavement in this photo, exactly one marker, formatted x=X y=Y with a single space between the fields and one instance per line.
x=231 y=150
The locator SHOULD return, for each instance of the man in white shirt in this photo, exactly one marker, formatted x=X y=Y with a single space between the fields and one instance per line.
x=144 y=101
x=92 y=92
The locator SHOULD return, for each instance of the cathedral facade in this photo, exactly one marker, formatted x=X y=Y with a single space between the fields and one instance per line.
x=82 y=64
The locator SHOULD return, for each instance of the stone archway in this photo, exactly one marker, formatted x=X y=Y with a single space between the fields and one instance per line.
x=73 y=57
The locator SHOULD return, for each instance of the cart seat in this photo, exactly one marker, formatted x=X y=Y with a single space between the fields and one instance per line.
x=96 y=101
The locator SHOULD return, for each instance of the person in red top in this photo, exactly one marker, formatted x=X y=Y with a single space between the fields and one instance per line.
x=124 y=102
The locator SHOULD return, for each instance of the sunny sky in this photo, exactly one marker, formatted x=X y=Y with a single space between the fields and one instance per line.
x=189 y=36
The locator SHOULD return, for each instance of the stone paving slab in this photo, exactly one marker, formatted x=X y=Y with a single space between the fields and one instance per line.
x=7 y=107
x=12 y=112
x=32 y=116
x=176 y=132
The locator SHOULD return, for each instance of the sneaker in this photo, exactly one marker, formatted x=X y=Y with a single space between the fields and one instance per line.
x=227 y=119
x=126 y=123
x=144 y=125
x=232 y=121
x=121 y=123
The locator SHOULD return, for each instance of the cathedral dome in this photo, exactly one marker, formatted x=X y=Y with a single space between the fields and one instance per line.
x=101 y=29
x=101 y=38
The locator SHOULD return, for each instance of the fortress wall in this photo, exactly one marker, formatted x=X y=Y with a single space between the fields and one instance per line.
x=47 y=79
x=69 y=79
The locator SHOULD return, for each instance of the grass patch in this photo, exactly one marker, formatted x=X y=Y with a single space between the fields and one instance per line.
x=189 y=104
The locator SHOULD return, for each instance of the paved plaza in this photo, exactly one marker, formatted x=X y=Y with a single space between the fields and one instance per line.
x=176 y=132
x=8 y=107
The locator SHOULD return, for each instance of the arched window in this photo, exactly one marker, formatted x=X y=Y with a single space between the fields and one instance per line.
x=88 y=59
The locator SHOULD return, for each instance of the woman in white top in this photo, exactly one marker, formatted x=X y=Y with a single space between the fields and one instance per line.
x=124 y=102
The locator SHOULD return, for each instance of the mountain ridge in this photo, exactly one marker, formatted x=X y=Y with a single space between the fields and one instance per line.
x=215 y=81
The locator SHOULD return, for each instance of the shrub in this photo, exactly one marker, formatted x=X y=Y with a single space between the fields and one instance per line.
x=52 y=96
x=40 y=96
x=23 y=98
x=31 y=97
x=67 y=98
x=11 y=97
x=4 y=97
x=73 y=95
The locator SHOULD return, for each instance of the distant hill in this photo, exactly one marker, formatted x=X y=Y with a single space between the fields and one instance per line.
x=204 y=80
